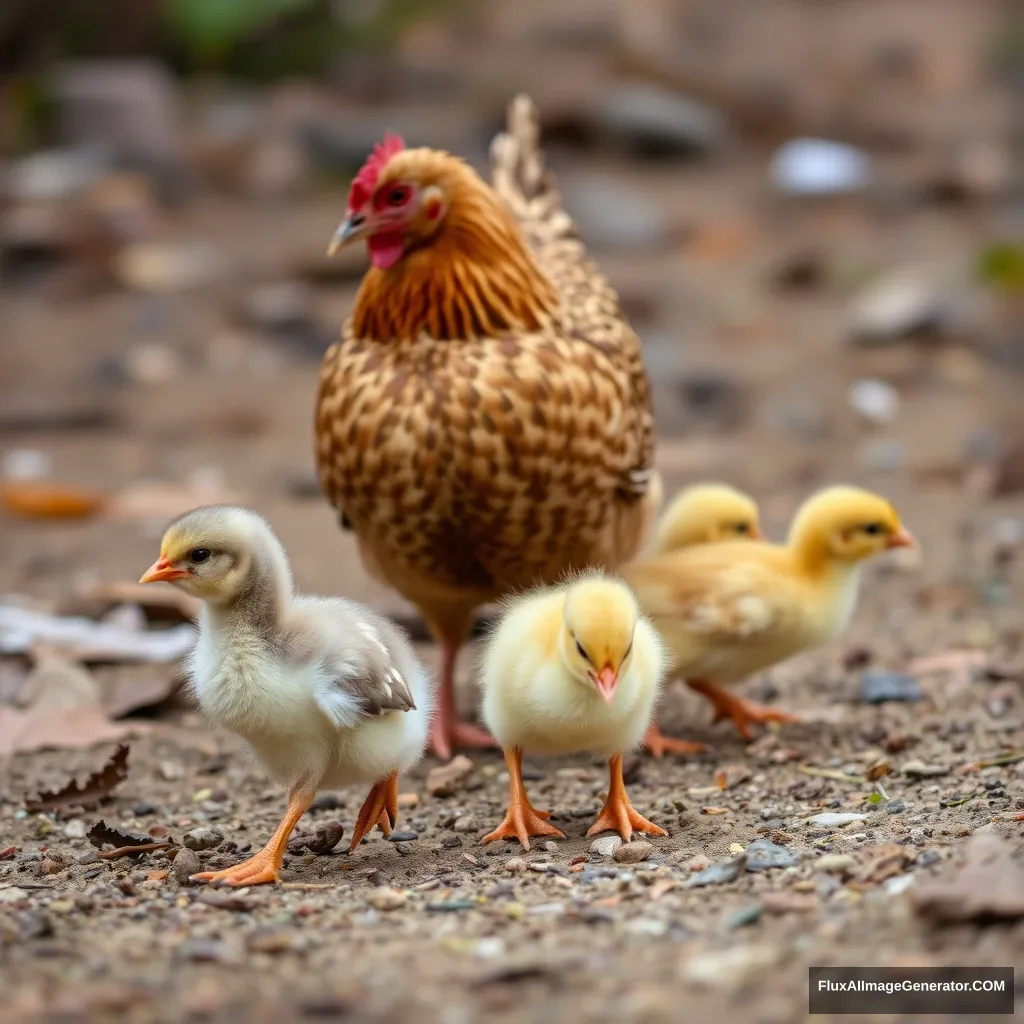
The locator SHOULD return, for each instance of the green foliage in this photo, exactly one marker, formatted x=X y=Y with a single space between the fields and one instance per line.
x=211 y=28
x=875 y=798
x=1002 y=266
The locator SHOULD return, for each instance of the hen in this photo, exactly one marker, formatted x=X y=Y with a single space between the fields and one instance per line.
x=484 y=423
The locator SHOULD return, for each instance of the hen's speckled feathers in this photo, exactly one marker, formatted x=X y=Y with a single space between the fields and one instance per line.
x=472 y=466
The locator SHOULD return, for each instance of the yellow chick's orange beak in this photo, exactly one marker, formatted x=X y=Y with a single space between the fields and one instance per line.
x=161 y=571
x=902 y=538
x=757 y=534
x=606 y=681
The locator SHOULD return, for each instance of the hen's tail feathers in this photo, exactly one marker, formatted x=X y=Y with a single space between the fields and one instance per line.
x=521 y=178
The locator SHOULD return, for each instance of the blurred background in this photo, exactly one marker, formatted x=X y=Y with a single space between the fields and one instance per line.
x=810 y=211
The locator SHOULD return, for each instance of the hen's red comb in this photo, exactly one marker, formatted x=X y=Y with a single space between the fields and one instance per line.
x=366 y=180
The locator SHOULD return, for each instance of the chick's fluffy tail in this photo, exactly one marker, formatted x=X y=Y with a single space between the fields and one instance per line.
x=522 y=180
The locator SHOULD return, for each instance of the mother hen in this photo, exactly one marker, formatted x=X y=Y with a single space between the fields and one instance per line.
x=484 y=423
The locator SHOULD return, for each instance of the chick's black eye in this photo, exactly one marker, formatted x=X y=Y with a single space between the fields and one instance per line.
x=873 y=529
x=582 y=651
x=198 y=555
x=743 y=528
x=397 y=196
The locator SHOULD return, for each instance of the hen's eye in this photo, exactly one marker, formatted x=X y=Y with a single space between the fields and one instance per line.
x=582 y=651
x=397 y=196
x=199 y=555
x=743 y=528
x=873 y=529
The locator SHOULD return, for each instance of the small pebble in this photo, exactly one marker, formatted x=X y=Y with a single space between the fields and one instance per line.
x=835 y=863
x=895 y=807
x=467 y=823
x=928 y=857
x=404 y=837
x=203 y=838
x=75 y=829
x=185 y=864
x=386 y=899
x=551 y=847
x=879 y=686
x=874 y=400
x=920 y=770
x=515 y=864
x=327 y=802
x=451 y=842
x=605 y=846
x=203 y=950
x=633 y=853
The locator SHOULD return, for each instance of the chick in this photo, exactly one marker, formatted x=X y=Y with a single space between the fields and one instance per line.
x=707 y=514
x=571 y=668
x=326 y=692
x=732 y=609
x=703 y=514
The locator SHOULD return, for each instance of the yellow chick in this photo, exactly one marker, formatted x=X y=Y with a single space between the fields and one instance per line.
x=732 y=609
x=571 y=668
x=709 y=513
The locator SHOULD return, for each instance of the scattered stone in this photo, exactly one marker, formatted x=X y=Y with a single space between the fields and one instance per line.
x=819 y=167
x=324 y=838
x=467 y=823
x=451 y=778
x=451 y=842
x=203 y=838
x=270 y=940
x=184 y=865
x=877 y=402
x=987 y=885
x=386 y=899
x=835 y=863
x=327 y=802
x=605 y=846
x=75 y=829
x=763 y=854
x=919 y=770
x=551 y=846
x=515 y=864
x=878 y=686
x=899 y=884
x=895 y=807
x=203 y=950
x=898 y=305
x=732 y=968
x=926 y=858
x=632 y=853
x=404 y=837
x=653 y=121
x=833 y=819
x=53 y=174
x=717 y=874
x=747 y=915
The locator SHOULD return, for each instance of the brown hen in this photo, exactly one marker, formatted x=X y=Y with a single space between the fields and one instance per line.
x=484 y=423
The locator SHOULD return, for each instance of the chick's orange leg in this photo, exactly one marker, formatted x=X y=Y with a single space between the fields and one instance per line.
x=618 y=814
x=742 y=713
x=522 y=819
x=379 y=808
x=659 y=744
x=446 y=731
x=265 y=866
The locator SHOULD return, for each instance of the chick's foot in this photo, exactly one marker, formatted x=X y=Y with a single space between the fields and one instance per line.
x=658 y=745
x=379 y=808
x=522 y=819
x=742 y=713
x=264 y=867
x=618 y=814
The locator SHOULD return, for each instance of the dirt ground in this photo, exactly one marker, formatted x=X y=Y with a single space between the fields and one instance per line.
x=466 y=932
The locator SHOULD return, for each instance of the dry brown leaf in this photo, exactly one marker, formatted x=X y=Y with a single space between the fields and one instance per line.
x=134 y=851
x=102 y=834
x=87 y=795
x=24 y=732
x=49 y=501
x=878 y=771
x=128 y=688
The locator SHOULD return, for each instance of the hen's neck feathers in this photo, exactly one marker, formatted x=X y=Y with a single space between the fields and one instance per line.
x=476 y=277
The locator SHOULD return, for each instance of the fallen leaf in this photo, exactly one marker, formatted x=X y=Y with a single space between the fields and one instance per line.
x=98 y=785
x=67 y=729
x=127 y=688
x=448 y=779
x=34 y=500
x=9 y=853
x=731 y=775
x=714 y=810
x=878 y=771
x=56 y=683
x=102 y=834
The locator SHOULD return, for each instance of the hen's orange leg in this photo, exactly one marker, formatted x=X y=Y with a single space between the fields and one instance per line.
x=446 y=731
x=659 y=744
x=742 y=713
x=522 y=820
x=379 y=808
x=618 y=814
x=265 y=866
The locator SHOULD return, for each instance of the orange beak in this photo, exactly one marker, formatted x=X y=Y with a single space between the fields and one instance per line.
x=161 y=571
x=756 y=534
x=902 y=538
x=606 y=681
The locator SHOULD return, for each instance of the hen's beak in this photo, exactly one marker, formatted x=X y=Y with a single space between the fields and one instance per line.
x=350 y=230
x=606 y=681
x=161 y=571
x=902 y=538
